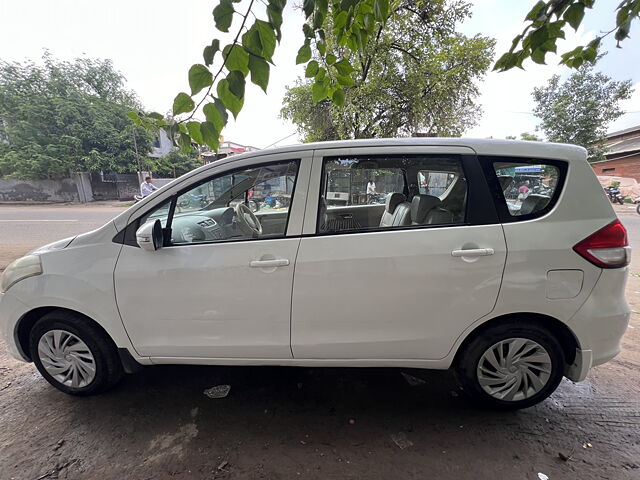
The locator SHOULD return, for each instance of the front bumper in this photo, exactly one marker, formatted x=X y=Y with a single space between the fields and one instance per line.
x=11 y=311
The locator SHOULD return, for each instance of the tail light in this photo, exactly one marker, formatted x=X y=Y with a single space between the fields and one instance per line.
x=607 y=248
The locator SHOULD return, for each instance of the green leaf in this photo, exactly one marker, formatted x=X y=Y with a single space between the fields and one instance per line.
x=538 y=56
x=231 y=92
x=506 y=62
x=308 y=31
x=338 y=97
x=318 y=20
x=574 y=15
x=210 y=51
x=155 y=116
x=184 y=141
x=210 y=135
x=194 y=132
x=341 y=20
x=236 y=58
x=381 y=10
x=259 y=69
x=199 y=77
x=267 y=38
x=319 y=91
x=251 y=41
x=330 y=58
x=322 y=6
x=322 y=48
x=308 y=6
x=223 y=15
x=346 y=80
x=214 y=116
x=536 y=11
x=538 y=37
x=312 y=69
x=304 y=54
x=135 y=117
x=275 y=18
x=344 y=67
x=182 y=104
x=320 y=74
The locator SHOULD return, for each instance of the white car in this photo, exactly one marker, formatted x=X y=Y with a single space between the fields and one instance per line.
x=444 y=275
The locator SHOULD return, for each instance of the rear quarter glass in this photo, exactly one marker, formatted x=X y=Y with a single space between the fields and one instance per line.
x=524 y=188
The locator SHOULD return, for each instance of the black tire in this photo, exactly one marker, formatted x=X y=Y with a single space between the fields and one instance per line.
x=108 y=367
x=638 y=208
x=467 y=362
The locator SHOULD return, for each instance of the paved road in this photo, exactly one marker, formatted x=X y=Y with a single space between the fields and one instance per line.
x=283 y=423
x=23 y=228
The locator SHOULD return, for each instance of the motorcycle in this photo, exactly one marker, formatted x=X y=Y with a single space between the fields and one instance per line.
x=614 y=195
x=376 y=198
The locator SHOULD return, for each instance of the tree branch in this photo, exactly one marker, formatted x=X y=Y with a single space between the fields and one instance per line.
x=224 y=60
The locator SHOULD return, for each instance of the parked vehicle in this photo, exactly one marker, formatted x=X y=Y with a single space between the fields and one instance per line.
x=303 y=285
x=377 y=198
x=614 y=195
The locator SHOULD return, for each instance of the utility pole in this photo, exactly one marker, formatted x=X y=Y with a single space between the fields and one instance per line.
x=135 y=147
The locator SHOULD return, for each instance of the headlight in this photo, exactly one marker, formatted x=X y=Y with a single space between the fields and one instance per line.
x=20 y=269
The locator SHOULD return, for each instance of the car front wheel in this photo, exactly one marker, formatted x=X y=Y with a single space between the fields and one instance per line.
x=73 y=354
x=511 y=366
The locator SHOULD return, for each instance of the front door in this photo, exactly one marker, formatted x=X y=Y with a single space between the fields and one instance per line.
x=363 y=291
x=220 y=288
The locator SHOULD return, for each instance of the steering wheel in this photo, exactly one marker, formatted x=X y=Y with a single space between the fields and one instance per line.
x=247 y=221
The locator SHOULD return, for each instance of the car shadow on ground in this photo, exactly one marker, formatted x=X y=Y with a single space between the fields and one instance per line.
x=281 y=422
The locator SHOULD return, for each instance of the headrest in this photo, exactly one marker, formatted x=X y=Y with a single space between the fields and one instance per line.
x=534 y=203
x=505 y=182
x=420 y=206
x=393 y=200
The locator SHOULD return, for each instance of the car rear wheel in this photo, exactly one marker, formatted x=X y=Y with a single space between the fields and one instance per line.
x=511 y=366
x=73 y=354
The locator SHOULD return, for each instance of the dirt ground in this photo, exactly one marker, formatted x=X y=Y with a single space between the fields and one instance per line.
x=283 y=423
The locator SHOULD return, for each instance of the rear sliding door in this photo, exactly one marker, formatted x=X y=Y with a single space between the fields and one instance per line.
x=362 y=291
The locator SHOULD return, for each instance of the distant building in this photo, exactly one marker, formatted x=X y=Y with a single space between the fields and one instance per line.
x=623 y=154
x=226 y=150
x=162 y=145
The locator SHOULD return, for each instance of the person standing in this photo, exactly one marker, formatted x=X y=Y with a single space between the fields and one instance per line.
x=147 y=188
x=371 y=189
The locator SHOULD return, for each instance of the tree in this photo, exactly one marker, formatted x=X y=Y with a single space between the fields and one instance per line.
x=62 y=117
x=416 y=75
x=530 y=137
x=547 y=22
x=173 y=164
x=218 y=86
x=580 y=109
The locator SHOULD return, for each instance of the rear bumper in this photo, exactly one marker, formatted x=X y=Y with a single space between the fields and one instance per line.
x=600 y=323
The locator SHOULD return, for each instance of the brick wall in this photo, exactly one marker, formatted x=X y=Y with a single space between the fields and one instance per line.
x=623 y=167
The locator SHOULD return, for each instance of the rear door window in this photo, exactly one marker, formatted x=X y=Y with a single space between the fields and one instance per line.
x=528 y=189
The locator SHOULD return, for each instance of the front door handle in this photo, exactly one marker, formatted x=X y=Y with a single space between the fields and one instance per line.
x=473 y=252
x=279 y=262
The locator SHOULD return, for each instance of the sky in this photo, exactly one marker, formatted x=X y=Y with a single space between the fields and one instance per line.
x=154 y=42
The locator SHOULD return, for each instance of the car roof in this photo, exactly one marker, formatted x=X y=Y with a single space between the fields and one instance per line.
x=520 y=148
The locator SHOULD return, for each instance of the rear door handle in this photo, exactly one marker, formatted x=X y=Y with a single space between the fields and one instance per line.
x=279 y=262
x=473 y=252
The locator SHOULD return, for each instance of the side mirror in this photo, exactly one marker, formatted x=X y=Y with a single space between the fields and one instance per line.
x=149 y=236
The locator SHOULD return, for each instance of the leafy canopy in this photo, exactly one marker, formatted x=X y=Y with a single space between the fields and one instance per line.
x=217 y=86
x=61 y=117
x=579 y=110
x=547 y=22
x=417 y=74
